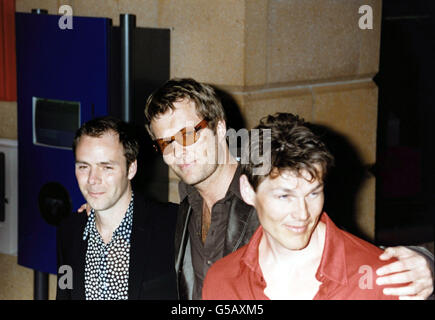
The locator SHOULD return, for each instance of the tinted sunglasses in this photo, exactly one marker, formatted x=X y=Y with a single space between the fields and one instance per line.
x=184 y=137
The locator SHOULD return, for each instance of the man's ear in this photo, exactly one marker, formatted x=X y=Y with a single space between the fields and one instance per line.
x=247 y=191
x=132 y=170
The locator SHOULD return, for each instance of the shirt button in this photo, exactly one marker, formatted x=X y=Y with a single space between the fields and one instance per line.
x=209 y=262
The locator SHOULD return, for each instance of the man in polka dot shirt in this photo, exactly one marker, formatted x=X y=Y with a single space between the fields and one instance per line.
x=108 y=250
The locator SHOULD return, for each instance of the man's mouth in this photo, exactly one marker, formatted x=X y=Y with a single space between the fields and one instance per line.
x=296 y=229
x=185 y=166
x=95 y=194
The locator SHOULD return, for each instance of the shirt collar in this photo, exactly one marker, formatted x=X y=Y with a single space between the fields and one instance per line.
x=250 y=257
x=333 y=261
x=124 y=228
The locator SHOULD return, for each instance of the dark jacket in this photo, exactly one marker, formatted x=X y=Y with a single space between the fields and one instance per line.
x=151 y=271
x=242 y=223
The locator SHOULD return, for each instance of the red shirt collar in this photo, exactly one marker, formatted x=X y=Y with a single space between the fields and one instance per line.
x=332 y=265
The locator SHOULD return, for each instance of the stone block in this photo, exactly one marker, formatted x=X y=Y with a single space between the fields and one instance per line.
x=96 y=8
x=207 y=39
x=146 y=11
x=256 y=39
x=257 y=104
x=8 y=120
x=314 y=40
x=350 y=109
x=27 y=5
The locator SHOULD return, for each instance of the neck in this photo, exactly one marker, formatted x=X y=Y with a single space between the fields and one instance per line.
x=108 y=220
x=216 y=186
x=272 y=253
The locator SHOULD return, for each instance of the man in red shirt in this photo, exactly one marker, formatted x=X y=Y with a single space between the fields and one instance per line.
x=297 y=252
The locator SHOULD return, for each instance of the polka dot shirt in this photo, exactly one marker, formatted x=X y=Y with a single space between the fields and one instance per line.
x=106 y=270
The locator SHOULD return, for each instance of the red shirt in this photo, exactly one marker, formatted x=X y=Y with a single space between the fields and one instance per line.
x=347 y=270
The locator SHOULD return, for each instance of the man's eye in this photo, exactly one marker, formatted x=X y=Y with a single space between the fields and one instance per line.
x=108 y=168
x=283 y=196
x=82 y=167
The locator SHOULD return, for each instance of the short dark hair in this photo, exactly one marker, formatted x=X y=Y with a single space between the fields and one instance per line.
x=99 y=126
x=293 y=147
x=207 y=102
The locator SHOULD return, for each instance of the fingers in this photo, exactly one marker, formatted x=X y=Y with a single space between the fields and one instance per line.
x=408 y=260
x=417 y=297
x=401 y=291
x=403 y=277
x=420 y=286
x=410 y=268
x=398 y=252
x=411 y=292
x=413 y=263
x=84 y=207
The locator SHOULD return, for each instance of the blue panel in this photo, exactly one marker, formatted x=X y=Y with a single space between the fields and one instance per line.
x=71 y=65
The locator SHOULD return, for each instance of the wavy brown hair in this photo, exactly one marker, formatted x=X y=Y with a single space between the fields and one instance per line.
x=293 y=147
x=207 y=103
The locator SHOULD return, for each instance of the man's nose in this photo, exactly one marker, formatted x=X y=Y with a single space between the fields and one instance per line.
x=94 y=176
x=182 y=153
x=179 y=150
x=301 y=213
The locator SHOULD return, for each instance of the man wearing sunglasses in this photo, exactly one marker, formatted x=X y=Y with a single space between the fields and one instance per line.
x=186 y=120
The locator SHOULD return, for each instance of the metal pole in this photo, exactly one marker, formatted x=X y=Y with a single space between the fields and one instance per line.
x=128 y=25
x=40 y=285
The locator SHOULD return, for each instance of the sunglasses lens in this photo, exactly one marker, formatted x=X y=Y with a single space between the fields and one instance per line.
x=186 y=138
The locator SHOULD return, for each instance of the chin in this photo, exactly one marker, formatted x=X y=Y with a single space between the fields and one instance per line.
x=300 y=247
x=96 y=205
x=296 y=245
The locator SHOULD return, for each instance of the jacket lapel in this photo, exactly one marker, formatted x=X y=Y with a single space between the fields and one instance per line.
x=181 y=233
x=138 y=248
x=79 y=267
x=242 y=223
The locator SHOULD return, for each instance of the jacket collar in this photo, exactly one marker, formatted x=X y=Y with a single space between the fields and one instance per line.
x=78 y=293
x=139 y=242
